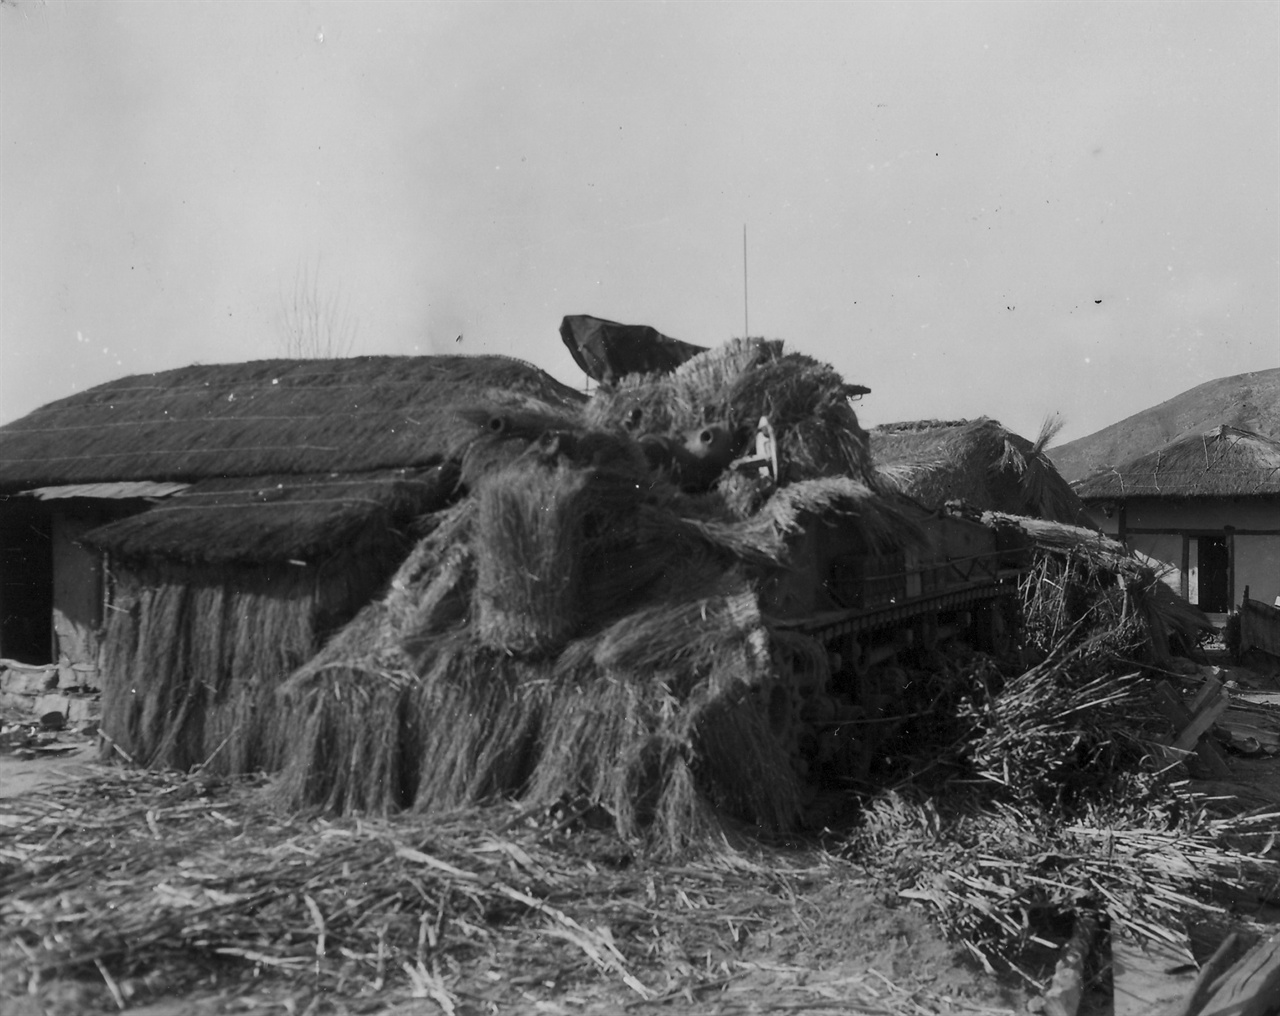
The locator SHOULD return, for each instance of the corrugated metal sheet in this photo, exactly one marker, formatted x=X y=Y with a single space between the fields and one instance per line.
x=114 y=491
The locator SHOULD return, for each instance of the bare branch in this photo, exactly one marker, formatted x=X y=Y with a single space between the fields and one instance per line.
x=313 y=326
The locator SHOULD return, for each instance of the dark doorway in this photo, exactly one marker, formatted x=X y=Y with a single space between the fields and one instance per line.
x=1215 y=597
x=26 y=587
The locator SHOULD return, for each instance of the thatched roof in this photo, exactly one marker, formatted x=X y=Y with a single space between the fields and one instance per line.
x=1223 y=462
x=279 y=518
x=268 y=417
x=975 y=461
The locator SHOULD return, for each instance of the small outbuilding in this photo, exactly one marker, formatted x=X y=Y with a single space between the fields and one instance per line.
x=1207 y=505
x=185 y=539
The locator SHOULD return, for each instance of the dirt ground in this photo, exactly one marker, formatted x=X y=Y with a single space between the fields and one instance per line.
x=794 y=931
x=843 y=952
x=834 y=949
x=26 y=775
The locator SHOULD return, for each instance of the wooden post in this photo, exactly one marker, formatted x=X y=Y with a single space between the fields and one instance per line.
x=1063 y=996
x=1186 y=566
x=1122 y=525
x=1231 y=565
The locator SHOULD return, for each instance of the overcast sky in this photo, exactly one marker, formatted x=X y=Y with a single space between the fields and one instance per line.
x=1000 y=209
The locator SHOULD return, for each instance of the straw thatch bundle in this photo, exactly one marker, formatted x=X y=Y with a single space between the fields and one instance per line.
x=504 y=434
x=1223 y=462
x=528 y=562
x=978 y=462
x=1086 y=581
x=651 y=716
x=193 y=656
x=807 y=403
x=346 y=704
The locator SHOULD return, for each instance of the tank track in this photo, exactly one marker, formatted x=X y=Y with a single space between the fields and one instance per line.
x=838 y=695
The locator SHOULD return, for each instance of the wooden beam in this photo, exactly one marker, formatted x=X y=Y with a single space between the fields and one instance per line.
x=1207 y=691
x=1206 y=718
x=1207 y=753
x=1063 y=996
x=1251 y=987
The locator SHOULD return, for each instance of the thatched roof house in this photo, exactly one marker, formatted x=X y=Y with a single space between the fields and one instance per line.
x=978 y=462
x=1208 y=504
x=245 y=509
x=1222 y=462
x=266 y=417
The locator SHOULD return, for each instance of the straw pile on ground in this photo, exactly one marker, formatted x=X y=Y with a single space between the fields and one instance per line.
x=1018 y=798
x=192 y=889
x=1023 y=795
x=1086 y=582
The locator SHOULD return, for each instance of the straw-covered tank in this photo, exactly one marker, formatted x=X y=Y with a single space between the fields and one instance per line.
x=695 y=591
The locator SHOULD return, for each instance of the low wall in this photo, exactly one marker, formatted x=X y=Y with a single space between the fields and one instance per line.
x=28 y=691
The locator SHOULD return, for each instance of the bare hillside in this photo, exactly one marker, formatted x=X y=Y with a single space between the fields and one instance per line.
x=1247 y=401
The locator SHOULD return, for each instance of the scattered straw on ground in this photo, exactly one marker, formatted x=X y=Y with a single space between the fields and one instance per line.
x=136 y=886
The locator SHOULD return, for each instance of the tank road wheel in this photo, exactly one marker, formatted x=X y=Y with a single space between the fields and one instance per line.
x=994 y=625
x=777 y=705
x=800 y=693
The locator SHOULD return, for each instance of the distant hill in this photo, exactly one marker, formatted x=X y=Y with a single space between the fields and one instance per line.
x=1247 y=401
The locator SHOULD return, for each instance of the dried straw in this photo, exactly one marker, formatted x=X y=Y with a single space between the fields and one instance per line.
x=192 y=661
x=1048 y=800
x=172 y=881
x=978 y=462
x=807 y=403
x=654 y=715
x=530 y=530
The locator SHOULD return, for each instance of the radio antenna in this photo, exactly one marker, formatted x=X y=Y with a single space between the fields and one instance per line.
x=746 y=327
